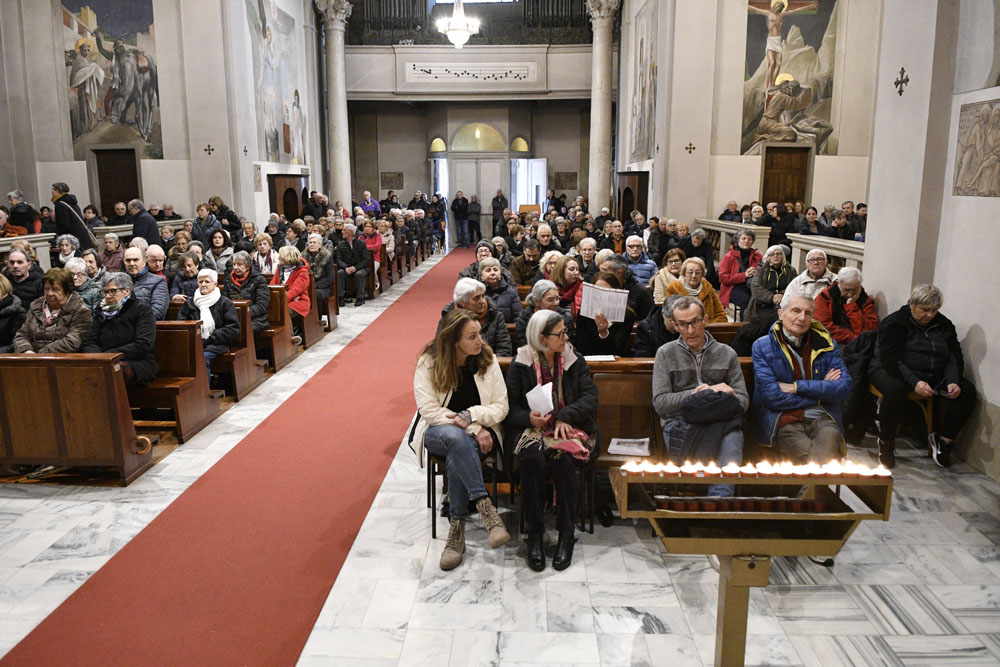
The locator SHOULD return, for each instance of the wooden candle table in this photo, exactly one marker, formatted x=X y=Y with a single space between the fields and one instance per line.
x=746 y=532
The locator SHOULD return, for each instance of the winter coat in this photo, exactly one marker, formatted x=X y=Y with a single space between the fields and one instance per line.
x=640 y=299
x=69 y=220
x=261 y=262
x=845 y=321
x=227 y=323
x=353 y=254
x=374 y=243
x=732 y=274
x=132 y=332
x=772 y=363
x=460 y=207
x=523 y=271
x=779 y=229
x=765 y=284
x=494 y=329
x=911 y=353
x=651 y=334
x=811 y=286
x=28 y=289
x=677 y=372
x=228 y=218
x=321 y=267
x=153 y=291
x=475 y=211
x=64 y=334
x=219 y=264
x=23 y=215
x=296 y=288
x=588 y=341
x=181 y=284
x=506 y=299
x=643 y=268
x=113 y=261
x=707 y=255
x=144 y=226
x=714 y=310
x=91 y=294
x=12 y=316
x=661 y=281
x=254 y=290
x=521 y=325
x=202 y=230
x=472 y=271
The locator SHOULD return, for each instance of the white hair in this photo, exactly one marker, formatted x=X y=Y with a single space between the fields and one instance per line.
x=788 y=296
x=541 y=320
x=544 y=227
x=211 y=273
x=350 y=227
x=816 y=252
x=465 y=288
x=849 y=274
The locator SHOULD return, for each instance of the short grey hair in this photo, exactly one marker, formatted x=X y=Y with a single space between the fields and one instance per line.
x=211 y=273
x=700 y=234
x=539 y=290
x=487 y=262
x=465 y=288
x=73 y=241
x=119 y=278
x=544 y=227
x=849 y=274
x=740 y=234
x=616 y=263
x=316 y=236
x=685 y=301
x=788 y=296
x=541 y=322
x=141 y=244
x=668 y=305
x=61 y=187
x=349 y=227
x=243 y=257
x=156 y=248
x=16 y=195
x=637 y=238
x=112 y=235
x=140 y=248
x=816 y=251
x=926 y=296
x=75 y=263
x=589 y=240
x=497 y=242
x=756 y=208
x=136 y=203
x=777 y=248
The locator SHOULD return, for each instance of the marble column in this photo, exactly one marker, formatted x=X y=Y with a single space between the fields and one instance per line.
x=335 y=14
x=602 y=16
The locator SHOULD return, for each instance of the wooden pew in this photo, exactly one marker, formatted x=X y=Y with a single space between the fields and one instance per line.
x=724 y=332
x=243 y=371
x=523 y=291
x=181 y=382
x=331 y=308
x=385 y=270
x=173 y=310
x=277 y=337
x=370 y=278
x=312 y=324
x=69 y=410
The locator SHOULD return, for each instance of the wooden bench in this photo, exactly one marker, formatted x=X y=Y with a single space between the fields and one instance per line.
x=523 y=291
x=181 y=382
x=330 y=307
x=385 y=270
x=312 y=323
x=277 y=337
x=240 y=366
x=69 y=410
x=724 y=332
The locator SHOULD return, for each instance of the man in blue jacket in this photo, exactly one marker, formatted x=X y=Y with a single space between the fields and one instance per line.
x=800 y=383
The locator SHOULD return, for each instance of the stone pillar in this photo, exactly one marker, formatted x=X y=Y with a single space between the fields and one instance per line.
x=602 y=13
x=335 y=14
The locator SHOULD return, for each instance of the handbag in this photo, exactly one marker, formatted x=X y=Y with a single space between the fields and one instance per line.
x=578 y=445
x=93 y=239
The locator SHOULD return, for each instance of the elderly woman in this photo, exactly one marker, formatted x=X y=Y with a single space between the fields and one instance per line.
x=295 y=235
x=502 y=252
x=246 y=283
x=56 y=321
x=567 y=276
x=737 y=269
x=697 y=245
x=918 y=351
x=69 y=247
x=770 y=282
x=112 y=258
x=388 y=238
x=83 y=285
x=204 y=224
x=597 y=335
x=462 y=402
x=547 y=264
x=11 y=315
x=180 y=246
x=95 y=270
x=470 y=295
x=484 y=249
x=693 y=283
x=548 y=445
x=220 y=252
x=220 y=325
x=670 y=271
x=293 y=273
x=126 y=325
x=544 y=295
x=265 y=258
x=185 y=283
x=499 y=289
x=320 y=266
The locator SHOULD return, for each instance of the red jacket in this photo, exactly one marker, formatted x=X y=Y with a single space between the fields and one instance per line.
x=845 y=321
x=730 y=274
x=296 y=288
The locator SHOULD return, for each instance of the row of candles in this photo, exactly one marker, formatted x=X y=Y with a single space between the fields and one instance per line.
x=762 y=469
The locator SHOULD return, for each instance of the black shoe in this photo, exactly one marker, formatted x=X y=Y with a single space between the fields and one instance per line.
x=887 y=454
x=940 y=450
x=340 y=302
x=564 y=550
x=536 y=556
x=359 y=302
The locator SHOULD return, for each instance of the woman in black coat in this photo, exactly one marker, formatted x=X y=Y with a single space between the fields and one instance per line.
x=245 y=283
x=220 y=325
x=598 y=335
x=571 y=425
x=320 y=266
x=126 y=325
x=544 y=295
x=12 y=315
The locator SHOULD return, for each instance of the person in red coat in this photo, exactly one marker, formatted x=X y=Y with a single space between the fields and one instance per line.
x=293 y=273
x=845 y=309
x=736 y=269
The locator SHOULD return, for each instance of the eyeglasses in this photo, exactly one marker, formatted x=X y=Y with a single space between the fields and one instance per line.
x=816 y=260
x=112 y=290
x=681 y=324
x=634 y=247
x=561 y=334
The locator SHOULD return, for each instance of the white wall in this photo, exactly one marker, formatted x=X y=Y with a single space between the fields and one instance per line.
x=733 y=177
x=837 y=178
x=168 y=181
x=557 y=132
x=402 y=146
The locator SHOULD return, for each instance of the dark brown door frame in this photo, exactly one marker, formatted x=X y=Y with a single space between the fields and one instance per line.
x=93 y=182
x=810 y=170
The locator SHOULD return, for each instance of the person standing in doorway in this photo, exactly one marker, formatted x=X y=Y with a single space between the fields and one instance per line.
x=499 y=203
x=460 y=215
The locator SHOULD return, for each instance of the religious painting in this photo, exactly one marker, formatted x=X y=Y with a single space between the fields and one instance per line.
x=564 y=180
x=977 y=57
x=111 y=80
x=977 y=157
x=391 y=180
x=281 y=122
x=643 y=103
x=788 y=85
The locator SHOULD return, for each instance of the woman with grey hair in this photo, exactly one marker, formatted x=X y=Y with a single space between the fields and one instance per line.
x=737 y=269
x=549 y=445
x=68 y=246
x=84 y=286
x=125 y=325
x=770 y=282
x=918 y=351
x=113 y=255
x=544 y=295
x=320 y=266
x=220 y=325
x=247 y=283
x=470 y=295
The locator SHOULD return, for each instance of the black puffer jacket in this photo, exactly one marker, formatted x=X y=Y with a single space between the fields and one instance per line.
x=132 y=332
x=913 y=353
x=521 y=325
x=506 y=298
x=227 y=323
x=69 y=220
x=494 y=329
x=28 y=289
x=254 y=290
x=651 y=334
x=12 y=316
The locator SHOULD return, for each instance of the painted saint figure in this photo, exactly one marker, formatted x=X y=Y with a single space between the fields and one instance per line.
x=86 y=77
x=298 y=154
x=787 y=97
x=775 y=18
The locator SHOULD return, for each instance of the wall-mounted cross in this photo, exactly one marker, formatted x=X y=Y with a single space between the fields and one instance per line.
x=690 y=147
x=208 y=149
x=902 y=80
x=244 y=150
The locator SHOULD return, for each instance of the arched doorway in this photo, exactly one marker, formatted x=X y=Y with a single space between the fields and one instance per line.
x=290 y=203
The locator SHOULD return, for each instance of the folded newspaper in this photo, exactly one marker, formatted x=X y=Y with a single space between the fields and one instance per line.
x=629 y=447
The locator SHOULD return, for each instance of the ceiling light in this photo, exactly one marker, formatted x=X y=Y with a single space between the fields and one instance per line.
x=459 y=27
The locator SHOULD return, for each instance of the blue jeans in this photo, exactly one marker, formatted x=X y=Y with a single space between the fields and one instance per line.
x=461 y=459
x=462 y=229
x=730 y=450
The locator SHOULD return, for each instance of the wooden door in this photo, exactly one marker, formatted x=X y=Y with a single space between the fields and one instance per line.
x=632 y=194
x=117 y=177
x=786 y=174
x=283 y=194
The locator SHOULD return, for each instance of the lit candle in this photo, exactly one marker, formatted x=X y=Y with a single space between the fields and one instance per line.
x=649 y=469
x=865 y=471
x=882 y=471
x=749 y=470
x=785 y=468
x=690 y=469
x=732 y=469
x=850 y=470
x=631 y=468
x=833 y=469
x=814 y=469
x=765 y=469
x=712 y=470
x=670 y=469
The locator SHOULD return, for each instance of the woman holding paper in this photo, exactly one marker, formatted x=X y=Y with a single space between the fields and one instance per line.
x=548 y=444
x=598 y=335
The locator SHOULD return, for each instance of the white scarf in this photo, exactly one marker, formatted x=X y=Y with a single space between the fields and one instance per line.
x=204 y=302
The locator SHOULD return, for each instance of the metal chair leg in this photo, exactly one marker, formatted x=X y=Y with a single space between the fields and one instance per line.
x=431 y=491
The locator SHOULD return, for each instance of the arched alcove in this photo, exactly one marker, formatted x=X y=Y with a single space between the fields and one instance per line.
x=519 y=145
x=438 y=145
x=478 y=137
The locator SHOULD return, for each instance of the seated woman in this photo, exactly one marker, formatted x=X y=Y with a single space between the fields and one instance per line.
x=811 y=225
x=320 y=266
x=220 y=252
x=737 y=269
x=95 y=270
x=295 y=235
x=220 y=325
x=566 y=276
x=113 y=256
x=470 y=295
x=373 y=241
x=83 y=285
x=185 y=283
x=698 y=246
x=670 y=271
x=246 y=283
x=547 y=264
x=544 y=295
x=502 y=252
x=462 y=402
x=549 y=445
x=293 y=273
x=69 y=247
x=57 y=321
x=769 y=283
x=265 y=259
x=11 y=315
x=599 y=336
x=173 y=263
x=693 y=283
x=124 y=325
x=503 y=294
x=918 y=351
x=388 y=239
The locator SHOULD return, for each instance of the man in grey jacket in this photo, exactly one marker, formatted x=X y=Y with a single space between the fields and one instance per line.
x=147 y=286
x=694 y=363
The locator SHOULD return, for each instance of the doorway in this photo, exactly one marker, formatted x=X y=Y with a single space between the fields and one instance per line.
x=287 y=193
x=785 y=173
x=480 y=176
x=528 y=182
x=633 y=193
x=117 y=177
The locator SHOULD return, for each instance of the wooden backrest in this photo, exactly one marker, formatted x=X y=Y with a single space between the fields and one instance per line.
x=724 y=332
x=246 y=324
x=313 y=306
x=277 y=308
x=176 y=348
x=523 y=291
x=173 y=310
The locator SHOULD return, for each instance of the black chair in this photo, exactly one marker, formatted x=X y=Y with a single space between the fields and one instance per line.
x=436 y=468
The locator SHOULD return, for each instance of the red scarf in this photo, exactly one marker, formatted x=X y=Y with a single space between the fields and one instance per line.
x=237 y=281
x=571 y=295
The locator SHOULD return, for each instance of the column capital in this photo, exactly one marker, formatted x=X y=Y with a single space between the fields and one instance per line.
x=602 y=9
x=334 y=11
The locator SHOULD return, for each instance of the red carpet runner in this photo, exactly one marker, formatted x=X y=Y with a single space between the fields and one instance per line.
x=236 y=570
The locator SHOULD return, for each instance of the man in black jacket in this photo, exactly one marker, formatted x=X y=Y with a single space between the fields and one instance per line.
x=143 y=223
x=732 y=212
x=499 y=203
x=24 y=277
x=656 y=330
x=69 y=218
x=119 y=214
x=351 y=256
x=460 y=216
x=315 y=206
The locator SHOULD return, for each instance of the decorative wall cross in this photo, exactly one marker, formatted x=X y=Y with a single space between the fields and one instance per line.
x=902 y=80
x=690 y=147
x=208 y=149
x=245 y=151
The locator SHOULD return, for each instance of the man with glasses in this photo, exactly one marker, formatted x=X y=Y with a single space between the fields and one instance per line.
x=815 y=278
x=147 y=287
x=639 y=263
x=699 y=393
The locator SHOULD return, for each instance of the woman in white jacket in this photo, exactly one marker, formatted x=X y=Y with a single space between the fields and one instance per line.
x=462 y=399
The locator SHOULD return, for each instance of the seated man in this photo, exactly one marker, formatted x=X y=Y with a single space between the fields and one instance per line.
x=815 y=278
x=546 y=241
x=24 y=276
x=692 y=377
x=351 y=258
x=799 y=383
x=639 y=263
x=616 y=240
x=147 y=287
x=845 y=309
x=640 y=298
x=656 y=330
x=918 y=351
x=471 y=295
x=525 y=267
x=155 y=259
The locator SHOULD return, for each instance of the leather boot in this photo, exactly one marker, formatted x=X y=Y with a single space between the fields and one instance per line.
x=454 y=549
x=564 y=550
x=536 y=556
x=494 y=525
x=887 y=453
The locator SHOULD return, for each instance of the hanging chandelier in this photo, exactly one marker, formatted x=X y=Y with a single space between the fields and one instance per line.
x=459 y=27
